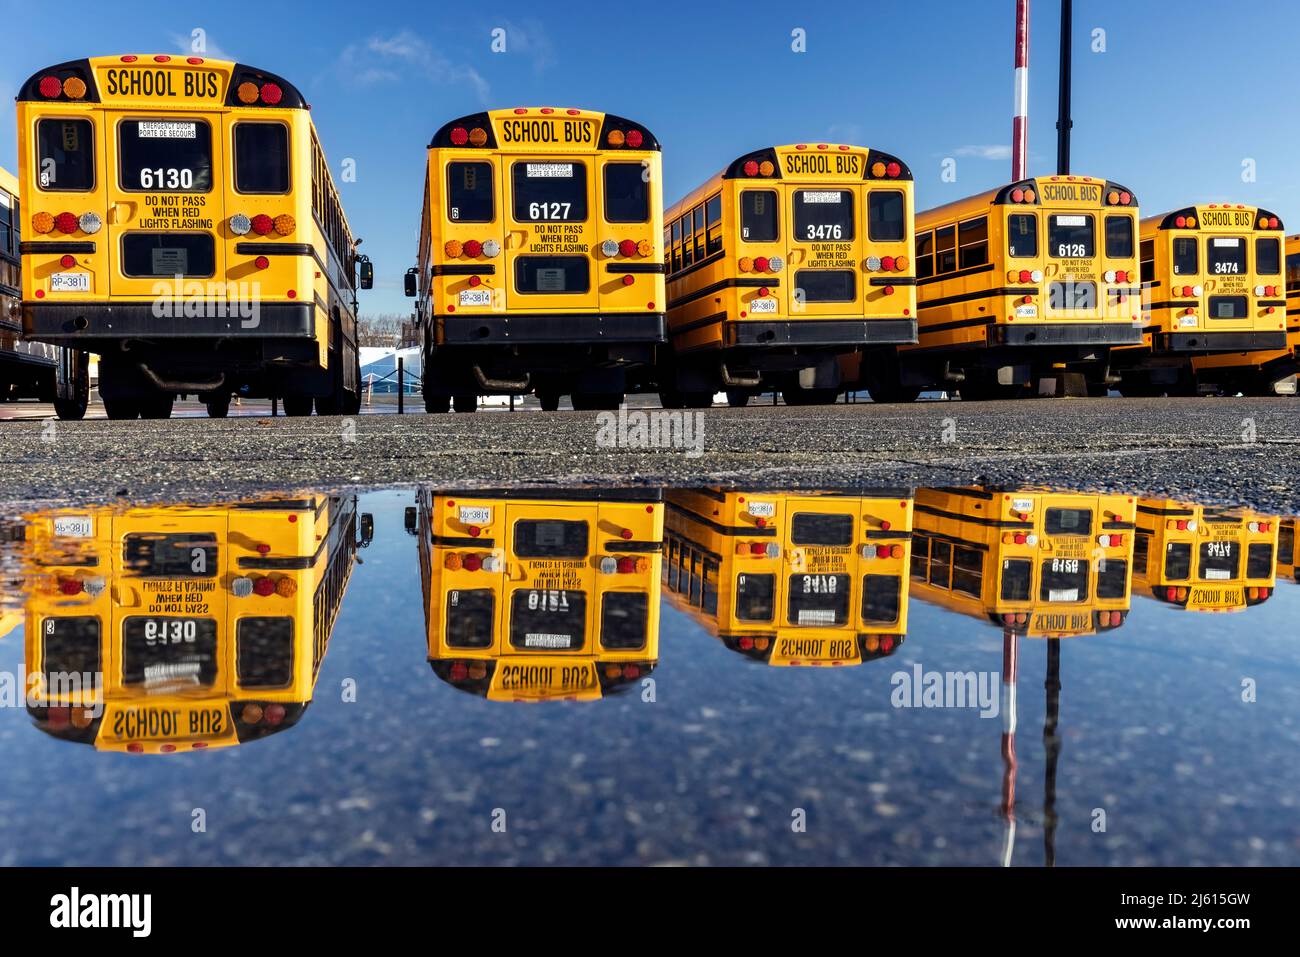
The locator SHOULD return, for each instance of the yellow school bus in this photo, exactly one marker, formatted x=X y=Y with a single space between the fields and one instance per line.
x=533 y=596
x=1204 y=558
x=816 y=579
x=1269 y=372
x=1212 y=282
x=31 y=370
x=1038 y=563
x=786 y=261
x=539 y=267
x=160 y=630
x=1032 y=280
x=181 y=222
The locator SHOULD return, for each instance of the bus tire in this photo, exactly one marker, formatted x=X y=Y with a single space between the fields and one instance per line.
x=437 y=404
x=71 y=410
x=121 y=408
x=218 y=406
x=670 y=399
x=297 y=406
x=737 y=398
x=550 y=401
x=465 y=402
x=697 y=400
x=157 y=406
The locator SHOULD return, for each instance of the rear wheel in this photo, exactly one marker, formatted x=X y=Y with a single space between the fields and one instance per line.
x=737 y=398
x=157 y=406
x=550 y=401
x=437 y=404
x=297 y=406
x=122 y=408
x=218 y=406
x=697 y=400
x=670 y=399
x=465 y=403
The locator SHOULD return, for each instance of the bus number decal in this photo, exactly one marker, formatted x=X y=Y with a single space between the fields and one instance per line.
x=170 y=631
x=819 y=584
x=549 y=210
x=1067 y=566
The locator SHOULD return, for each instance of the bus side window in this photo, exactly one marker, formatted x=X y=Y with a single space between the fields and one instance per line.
x=945 y=242
x=924 y=255
x=1148 y=250
x=65 y=152
x=677 y=245
x=7 y=221
x=1141 y=545
x=688 y=243
x=1268 y=256
x=699 y=233
x=941 y=564
x=709 y=601
x=973 y=245
x=967 y=571
x=469 y=192
x=1185 y=261
x=1292 y=269
x=1022 y=235
x=758 y=223
x=713 y=220
x=920 y=556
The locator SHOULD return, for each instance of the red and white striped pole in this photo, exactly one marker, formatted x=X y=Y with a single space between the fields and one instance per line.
x=1020 y=120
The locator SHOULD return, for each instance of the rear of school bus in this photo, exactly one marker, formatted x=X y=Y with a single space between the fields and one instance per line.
x=168 y=205
x=535 y=597
x=1036 y=563
x=1212 y=283
x=815 y=580
x=792 y=260
x=1205 y=558
x=1034 y=281
x=1264 y=372
x=540 y=265
x=206 y=635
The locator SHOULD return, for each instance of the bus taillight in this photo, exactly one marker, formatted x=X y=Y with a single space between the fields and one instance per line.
x=66 y=223
x=262 y=224
x=70 y=586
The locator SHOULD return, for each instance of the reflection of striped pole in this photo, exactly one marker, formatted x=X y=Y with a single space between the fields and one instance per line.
x=1010 y=667
x=1020 y=120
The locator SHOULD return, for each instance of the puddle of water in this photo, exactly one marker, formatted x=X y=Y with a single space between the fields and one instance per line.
x=875 y=676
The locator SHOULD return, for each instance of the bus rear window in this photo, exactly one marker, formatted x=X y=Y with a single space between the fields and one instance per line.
x=758 y=215
x=1064 y=579
x=169 y=651
x=886 y=216
x=168 y=156
x=168 y=254
x=1178 y=560
x=881 y=598
x=1185 y=256
x=1259 y=560
x=627 y=193
x=261 y=158
x=1119 y=237
x=818 y=600
x=823 y=215
x=1225 y=256
x=552 y=274
x=1220 y=560
x=1068 y=521
x=1112 y=578
x=826 y=285
x=264 y=652
x=813 y=528
x=469 y=193
x=1022 y=235
x=1071 y=236
x=1228 y=307
x=470 y=616
x=65 y=152
x=623 y=617
x=543 y=619
x=550 y=192
x=170 y=555
x=1268 y=257
x=70 y=646
x=755 y=597
x=550 y=538
x=1016 y=573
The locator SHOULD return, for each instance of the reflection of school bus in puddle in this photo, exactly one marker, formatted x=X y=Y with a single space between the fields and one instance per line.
x=532 y=596
x=1288 y=555
x=179 y=628
x=1204 y=558
x=792 y=578
x=1036 y=563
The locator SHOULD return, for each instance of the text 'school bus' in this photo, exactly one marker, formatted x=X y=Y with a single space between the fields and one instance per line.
x=1204 y=558
x=787 y=260
x=792 y=579
x=540 y=267
x=1212 y=283
x=183 y=224
x=1033 y=562
x=178 y=628
x=1267 y=372
x=532 y=596
x=1029 y=281
x=31 y=370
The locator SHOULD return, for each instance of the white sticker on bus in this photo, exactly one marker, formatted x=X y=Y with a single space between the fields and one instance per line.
x=1216 y=574
x=1230 y=243
x=1072 y=220
x=549 y=170
x=167 y=130
x=821 y=196
x=816 y=616
x=1063 y=594
x=535 y=639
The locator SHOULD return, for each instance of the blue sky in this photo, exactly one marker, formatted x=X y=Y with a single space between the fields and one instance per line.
x=1172 y=107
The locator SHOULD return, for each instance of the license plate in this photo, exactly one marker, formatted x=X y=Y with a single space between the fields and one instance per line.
x=762 y=509
x=70 y=282
x=1063 y=594
x=762 y=305
x=476 y=297
x=74 y=526
x=1026 y=312
x=1187 y=322
x=475 y=515
x=1022 y=504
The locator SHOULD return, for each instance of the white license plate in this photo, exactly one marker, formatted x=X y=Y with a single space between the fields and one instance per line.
x=475 y=515
x=476 y=297
x=762 y=509
x=70 y=282
x=1186 y=322
x=762 y=305
x=1022 y=504
x=1063 y=594
x=1026 y=312
x=74 y=526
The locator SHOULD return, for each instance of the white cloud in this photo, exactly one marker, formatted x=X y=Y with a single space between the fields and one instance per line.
x=184 y=43
x=991 y=152
x=530 y=39
x=390 y=59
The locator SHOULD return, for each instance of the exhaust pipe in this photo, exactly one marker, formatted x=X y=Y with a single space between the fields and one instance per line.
x=501 y=385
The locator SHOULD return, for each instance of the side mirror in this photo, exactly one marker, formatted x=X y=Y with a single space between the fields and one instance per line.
x=408 y=519
x=408 y=283
x=367 y=529
x=367 y=274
